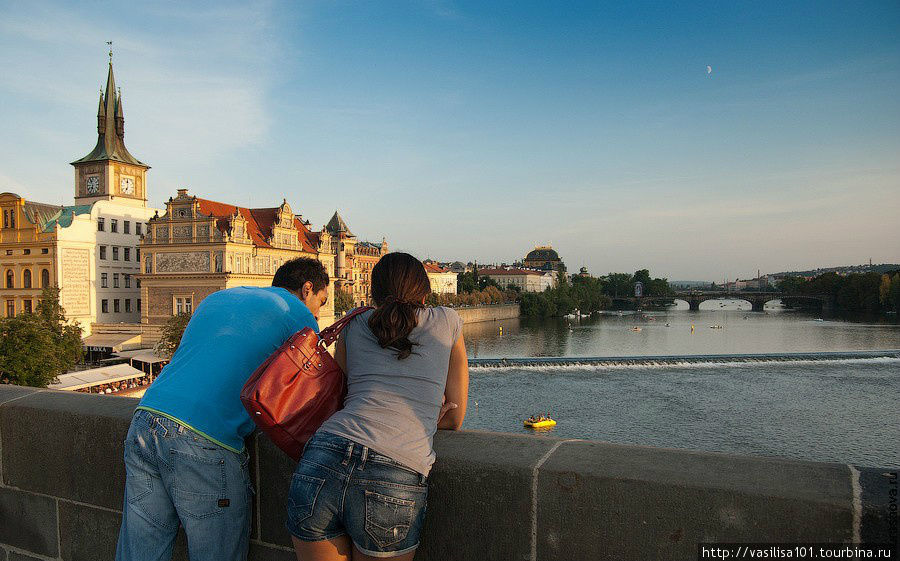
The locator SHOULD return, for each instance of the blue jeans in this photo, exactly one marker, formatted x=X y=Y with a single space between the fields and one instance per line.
x=342 y=487
x=173 y=475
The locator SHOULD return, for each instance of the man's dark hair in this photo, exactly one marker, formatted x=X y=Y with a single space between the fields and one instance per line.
x=293 y=274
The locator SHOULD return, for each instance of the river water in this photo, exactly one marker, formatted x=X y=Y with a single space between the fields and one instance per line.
x=838 y=410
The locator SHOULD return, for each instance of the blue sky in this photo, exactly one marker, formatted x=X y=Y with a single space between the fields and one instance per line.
x=474 y=130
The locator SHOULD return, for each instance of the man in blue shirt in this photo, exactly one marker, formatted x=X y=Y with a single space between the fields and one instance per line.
x=185 y=459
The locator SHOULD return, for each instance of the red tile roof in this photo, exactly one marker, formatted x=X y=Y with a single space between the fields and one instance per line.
x=259 y=223
x=434 y=268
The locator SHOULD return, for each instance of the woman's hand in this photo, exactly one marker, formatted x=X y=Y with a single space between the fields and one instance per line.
x=445 y=406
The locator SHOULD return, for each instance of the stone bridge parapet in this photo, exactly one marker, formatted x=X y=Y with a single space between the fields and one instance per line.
x=492 y=496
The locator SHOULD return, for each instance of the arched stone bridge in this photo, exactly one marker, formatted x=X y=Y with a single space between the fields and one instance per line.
x=694 y=298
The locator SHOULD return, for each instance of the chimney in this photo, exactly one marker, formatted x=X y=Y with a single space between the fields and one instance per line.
x=182 y=192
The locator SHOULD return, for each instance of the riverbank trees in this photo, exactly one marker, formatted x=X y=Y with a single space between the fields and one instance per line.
x=855 y=292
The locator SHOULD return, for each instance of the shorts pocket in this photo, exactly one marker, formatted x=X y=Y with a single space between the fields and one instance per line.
x=388 y=519
x=302 y=497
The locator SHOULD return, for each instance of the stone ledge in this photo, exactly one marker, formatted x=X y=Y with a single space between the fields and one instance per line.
x=63 y=476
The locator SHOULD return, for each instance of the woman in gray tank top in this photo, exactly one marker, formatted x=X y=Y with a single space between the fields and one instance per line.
x=360 y=489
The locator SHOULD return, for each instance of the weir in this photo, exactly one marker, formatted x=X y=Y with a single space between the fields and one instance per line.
x=656 y=360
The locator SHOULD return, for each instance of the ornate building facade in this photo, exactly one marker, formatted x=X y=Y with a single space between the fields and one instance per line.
x=543 y=257
x=89 y=249
x=199 y=246
x=354 y=259
x=443 y=280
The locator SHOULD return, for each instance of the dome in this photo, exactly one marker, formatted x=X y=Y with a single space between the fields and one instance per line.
x=542 y=254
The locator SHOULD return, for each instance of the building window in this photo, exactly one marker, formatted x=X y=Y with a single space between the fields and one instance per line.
x=127 y=280
x=9 y=252
x=101 y=224
x=10 y=308
x=128 y=305
x=116 y=305
x=26 y=306
x=126 y=227
x=26 y=278
x=103 y=252
x=44 y=251
x=45 y=278
x=115 y=280
x=137 y=283
x=115 y=253
x=139 y=304
x=5 y=218
x=26 y=252
x=104 y=280
x=137 y=228
x=127 y=255
x=113 y=225
x=137 y=254
x=183 y=304
x=104 y=306
x=10 y=279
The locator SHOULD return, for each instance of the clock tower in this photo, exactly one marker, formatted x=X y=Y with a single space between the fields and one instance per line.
x=110 y=172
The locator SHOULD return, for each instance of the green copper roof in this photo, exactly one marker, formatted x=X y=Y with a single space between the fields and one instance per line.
x=64 y=217
x=110 y=128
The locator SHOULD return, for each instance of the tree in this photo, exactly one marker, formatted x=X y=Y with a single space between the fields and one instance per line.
x=619 y=284
x=343 y=301
x=36 y=348
x=172 y=332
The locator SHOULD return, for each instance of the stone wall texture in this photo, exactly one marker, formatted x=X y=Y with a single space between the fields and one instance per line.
x=492 y=496
x=496 y=312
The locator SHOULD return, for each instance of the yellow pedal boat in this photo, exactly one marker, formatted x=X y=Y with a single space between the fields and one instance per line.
x=539 y=424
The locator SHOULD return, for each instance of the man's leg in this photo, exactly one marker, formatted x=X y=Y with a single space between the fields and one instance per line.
x=211 y=489
x=149 y=521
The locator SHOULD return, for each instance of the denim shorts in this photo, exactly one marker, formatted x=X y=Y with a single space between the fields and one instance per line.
x=342 y=487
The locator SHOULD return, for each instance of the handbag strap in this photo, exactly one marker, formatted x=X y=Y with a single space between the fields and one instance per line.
x=330 y=334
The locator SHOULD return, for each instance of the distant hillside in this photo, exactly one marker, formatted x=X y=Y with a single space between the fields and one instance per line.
x=845 y=269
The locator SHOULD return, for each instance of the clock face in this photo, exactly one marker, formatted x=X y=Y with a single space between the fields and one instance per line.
x=93 y=184
x=127 y=186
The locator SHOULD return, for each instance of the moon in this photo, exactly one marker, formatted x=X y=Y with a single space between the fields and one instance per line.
x=708 y=69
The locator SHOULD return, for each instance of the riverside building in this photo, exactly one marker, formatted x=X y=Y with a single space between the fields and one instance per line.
x=89 y=249
x=527 y=280
x=442 y=279
x=354 y=259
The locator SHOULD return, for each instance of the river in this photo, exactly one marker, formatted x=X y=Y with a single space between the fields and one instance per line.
x=823 y=410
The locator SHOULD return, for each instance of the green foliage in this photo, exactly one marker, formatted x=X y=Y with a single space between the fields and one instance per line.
x=172 y=332
x=343 y=301
x=36 y=348
x=490 y=295
x=857 y=292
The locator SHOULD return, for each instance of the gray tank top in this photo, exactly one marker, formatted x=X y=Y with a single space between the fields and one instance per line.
x=392 y=405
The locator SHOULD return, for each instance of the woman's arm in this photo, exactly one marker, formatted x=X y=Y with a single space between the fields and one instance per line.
x=457 y=390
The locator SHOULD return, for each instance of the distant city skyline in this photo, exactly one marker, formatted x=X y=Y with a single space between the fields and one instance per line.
x=701 y=142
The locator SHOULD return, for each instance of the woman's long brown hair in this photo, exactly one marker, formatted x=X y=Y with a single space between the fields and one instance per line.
x=399 y=285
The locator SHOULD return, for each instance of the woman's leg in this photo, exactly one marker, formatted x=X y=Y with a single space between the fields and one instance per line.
x=337 y=549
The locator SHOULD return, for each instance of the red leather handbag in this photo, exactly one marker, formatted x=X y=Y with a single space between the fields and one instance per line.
x=298 y=387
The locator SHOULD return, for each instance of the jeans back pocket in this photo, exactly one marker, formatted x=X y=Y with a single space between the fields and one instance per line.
x=388 y=519
x=302 y=497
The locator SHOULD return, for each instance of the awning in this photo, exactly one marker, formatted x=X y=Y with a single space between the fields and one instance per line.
x=142 y=355
x=111 y=342
x=96 y=376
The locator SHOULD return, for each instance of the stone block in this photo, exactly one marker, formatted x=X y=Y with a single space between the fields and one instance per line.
x=879 y=495
x=87 y=533
x=640 y=503
x=67 y=444
x=263 y=552
x=29 y=522
x=275 y=470
x=16 y=556
x=10 y=392
x=479 y=496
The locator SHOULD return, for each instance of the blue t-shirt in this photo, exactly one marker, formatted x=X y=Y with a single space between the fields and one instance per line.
x=231 y=333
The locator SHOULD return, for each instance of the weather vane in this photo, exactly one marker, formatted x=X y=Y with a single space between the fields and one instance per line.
x=110 y=51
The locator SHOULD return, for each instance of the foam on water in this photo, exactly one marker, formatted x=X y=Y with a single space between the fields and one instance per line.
x=638 y=363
